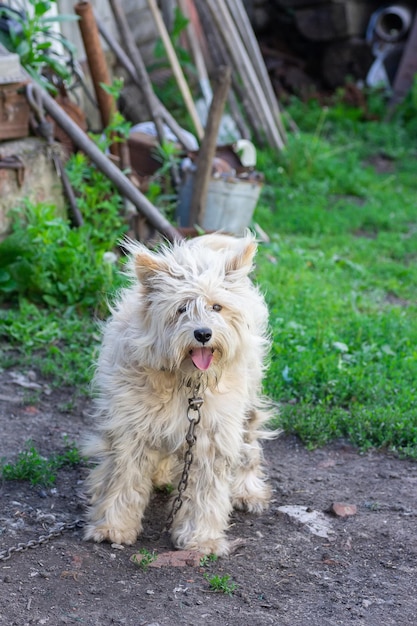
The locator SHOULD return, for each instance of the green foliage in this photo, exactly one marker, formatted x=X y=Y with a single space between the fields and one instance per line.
x=340 y=279
x=100 y=204
x=178 y=27
x=161 y=190
x=48 y=262
x=207 y=559
x=34 y=40
x=54 y=279
x=144 y=558
x=60 y=344
x=223 y=584
x=38 y=470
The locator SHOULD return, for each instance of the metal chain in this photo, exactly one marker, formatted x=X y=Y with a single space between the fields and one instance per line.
x=22 y=547
x=194 y=405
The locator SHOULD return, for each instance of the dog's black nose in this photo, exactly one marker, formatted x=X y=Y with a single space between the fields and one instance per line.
x=203 y=334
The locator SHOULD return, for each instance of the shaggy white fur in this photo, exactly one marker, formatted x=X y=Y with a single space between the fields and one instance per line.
x=191 y=315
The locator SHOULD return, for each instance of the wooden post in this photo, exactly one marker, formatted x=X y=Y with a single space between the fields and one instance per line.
x=208 y=147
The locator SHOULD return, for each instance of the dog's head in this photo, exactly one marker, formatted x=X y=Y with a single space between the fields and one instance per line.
x=200 y=310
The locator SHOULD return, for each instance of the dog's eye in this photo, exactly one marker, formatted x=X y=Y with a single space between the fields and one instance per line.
x=217 y=307
x=182 y=309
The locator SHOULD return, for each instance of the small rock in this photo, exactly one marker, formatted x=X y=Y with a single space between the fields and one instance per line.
x=314 y=521
x=342 y=509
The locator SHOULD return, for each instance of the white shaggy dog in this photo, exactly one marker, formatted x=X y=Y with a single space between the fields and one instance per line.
x=192 y=316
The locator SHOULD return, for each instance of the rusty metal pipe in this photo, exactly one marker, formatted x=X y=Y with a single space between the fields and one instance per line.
x=123 y=184
x=96 y=60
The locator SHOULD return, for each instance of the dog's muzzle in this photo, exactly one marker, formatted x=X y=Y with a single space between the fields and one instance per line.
x=202 y=356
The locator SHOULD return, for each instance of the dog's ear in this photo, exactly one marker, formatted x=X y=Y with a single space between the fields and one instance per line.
x=242 y=261
x=147 y=265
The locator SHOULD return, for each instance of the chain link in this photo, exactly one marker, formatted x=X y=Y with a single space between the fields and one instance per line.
x=194 y=406
x=35 y=543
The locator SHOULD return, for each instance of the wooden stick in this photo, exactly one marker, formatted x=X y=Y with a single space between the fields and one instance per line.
x=143 y=82
x=238 y=12
x=137 y=61
x=243 y=65
x=176 y=68
x=197 y=55
x=220 y=56
x=208 y=147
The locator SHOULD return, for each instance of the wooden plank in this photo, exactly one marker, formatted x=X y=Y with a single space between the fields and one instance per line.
x=208 y=147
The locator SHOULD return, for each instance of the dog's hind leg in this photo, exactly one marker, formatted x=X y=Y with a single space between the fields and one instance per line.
x=250 y=491
x=120 y=488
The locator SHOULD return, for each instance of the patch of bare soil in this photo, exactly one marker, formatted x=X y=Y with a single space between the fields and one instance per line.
x=321 y=570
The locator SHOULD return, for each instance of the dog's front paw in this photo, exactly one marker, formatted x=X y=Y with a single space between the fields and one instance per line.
x=113 y=535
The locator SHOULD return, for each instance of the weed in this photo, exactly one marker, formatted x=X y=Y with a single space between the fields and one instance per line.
x=145 y=558
x=39 y=470
x=160 y=188
x=207 y=559
x=223 y=584
x=47 y=262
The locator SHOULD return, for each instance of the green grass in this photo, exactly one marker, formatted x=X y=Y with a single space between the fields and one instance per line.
x=339 y=273
x=340 y=279
x=39 y=470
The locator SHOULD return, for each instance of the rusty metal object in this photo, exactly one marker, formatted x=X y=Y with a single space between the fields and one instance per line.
x=96 y=60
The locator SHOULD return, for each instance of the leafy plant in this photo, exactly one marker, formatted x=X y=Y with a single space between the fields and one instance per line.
x=47 y=261
x=161 y=190
x=32 y=36
x=38 y=470
x=223 y=584
x=144 y=558
x=207 y=559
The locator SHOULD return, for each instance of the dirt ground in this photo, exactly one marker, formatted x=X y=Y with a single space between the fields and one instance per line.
x=359 y=569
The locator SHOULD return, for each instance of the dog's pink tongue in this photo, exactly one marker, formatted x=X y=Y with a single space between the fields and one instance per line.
x=202 y=358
